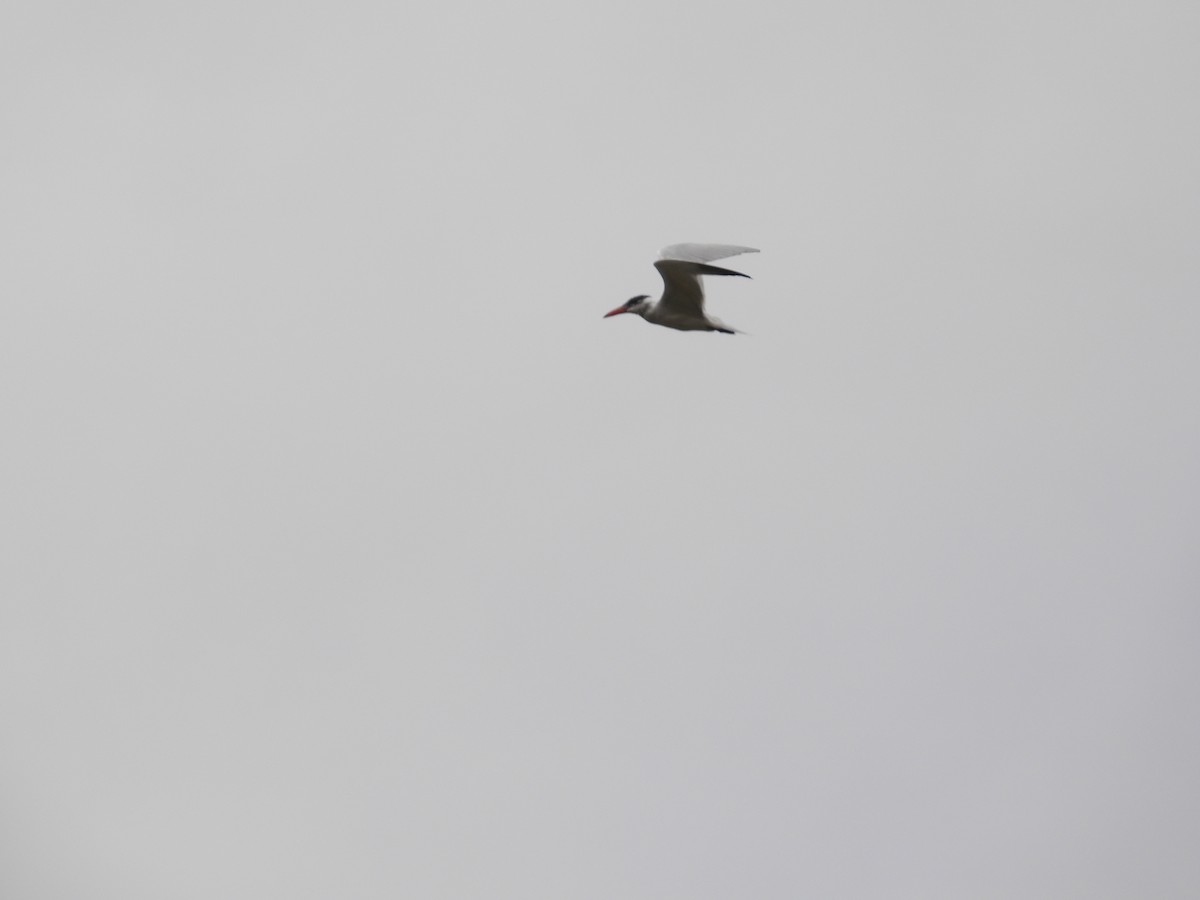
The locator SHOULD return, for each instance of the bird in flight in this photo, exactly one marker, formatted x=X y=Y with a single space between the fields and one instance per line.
x=681 y=305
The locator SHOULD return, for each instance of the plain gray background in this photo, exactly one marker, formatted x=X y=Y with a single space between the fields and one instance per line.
x=348 y=552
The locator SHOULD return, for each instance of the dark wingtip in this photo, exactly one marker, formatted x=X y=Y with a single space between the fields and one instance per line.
x=706 y=269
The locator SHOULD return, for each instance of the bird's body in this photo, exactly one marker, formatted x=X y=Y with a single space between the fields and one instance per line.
x=681 y=305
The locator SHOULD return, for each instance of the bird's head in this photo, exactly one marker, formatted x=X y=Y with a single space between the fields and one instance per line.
x=636 y=305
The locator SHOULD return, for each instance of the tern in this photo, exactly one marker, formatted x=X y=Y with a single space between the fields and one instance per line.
x=681 y=305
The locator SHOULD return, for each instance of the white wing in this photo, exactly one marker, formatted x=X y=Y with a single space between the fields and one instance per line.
x=703 y=253
x=683 y=292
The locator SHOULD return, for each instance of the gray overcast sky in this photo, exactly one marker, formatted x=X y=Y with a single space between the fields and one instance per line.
x=348 y=552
